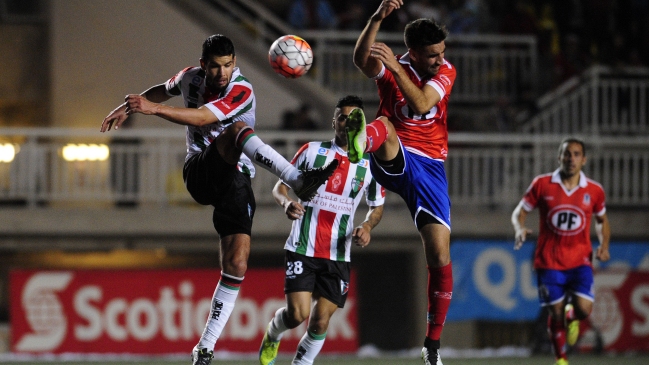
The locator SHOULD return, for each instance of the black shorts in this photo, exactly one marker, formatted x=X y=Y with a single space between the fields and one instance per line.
x=212 y=181
x=329 y=279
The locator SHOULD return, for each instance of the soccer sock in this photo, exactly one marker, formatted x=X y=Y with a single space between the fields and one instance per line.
x=277 y=325
x=377 y=133
x=265 y=156
x=440 y=291
x=570 y=315
x=223 y=300
x=557 y=332
x=308 y=348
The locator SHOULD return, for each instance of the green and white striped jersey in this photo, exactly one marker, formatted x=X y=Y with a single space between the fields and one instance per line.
x=326 y=227
x=236 y=103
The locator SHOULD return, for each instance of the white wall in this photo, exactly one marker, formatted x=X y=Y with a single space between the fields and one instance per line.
x=103 y=50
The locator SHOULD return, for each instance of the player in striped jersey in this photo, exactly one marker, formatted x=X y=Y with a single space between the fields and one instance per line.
x=408 y=144
x=219 y=115
x=567 y=200
x=318 y=247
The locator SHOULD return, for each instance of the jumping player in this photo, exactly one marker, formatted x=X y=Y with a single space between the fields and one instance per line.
x=567 y=200
x=219 y=114
x=408 y=144
x=318 y=248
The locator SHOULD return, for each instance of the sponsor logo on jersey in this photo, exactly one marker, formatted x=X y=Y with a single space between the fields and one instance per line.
x=566 y=220
x=445 y=80
x=323 y=151
x=586 y=199
x=196 y=80
x=337 y=180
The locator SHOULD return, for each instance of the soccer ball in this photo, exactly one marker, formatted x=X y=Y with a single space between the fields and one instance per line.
x=290 y=56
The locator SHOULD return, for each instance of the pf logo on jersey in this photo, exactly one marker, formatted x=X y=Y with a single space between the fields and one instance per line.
x=566 y=220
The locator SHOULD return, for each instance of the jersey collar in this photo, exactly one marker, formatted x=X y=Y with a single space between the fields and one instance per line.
x=556 y=178
x=405 y=60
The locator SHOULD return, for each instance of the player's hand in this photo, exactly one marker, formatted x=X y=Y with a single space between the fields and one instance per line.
x=386 y=7
x=115 y=118
x=521 y=236
x=136 y=103
x=361 y=235
x=383 y=53
x=602 y=253
x=293 y=210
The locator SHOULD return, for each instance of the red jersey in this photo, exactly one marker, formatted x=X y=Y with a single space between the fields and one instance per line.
x=424 y=134
x=565 y=216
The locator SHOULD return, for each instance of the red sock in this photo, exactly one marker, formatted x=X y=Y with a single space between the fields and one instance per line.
x=377 y=133
x=557 y=332
x=440 y=290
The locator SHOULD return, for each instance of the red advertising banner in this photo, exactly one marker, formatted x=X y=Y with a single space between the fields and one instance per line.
x=620 y=317
x=151 y=312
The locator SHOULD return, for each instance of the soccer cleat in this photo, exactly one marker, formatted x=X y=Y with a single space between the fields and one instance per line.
x=356 y=135
x=202 y=356
x=313 y=178
x=268 y=351
x=572 y=334
x=561 y=361
x=430 y=354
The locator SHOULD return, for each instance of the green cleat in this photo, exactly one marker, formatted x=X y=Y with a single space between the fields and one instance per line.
x=572 y=333
x=268 y=351
x=356 y=135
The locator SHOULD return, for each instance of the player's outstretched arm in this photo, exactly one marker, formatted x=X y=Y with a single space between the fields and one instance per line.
x=115 y=119
x=292 y=208
x=369 y=65
x=603 y=230
x=361 y=234
x=518 y=221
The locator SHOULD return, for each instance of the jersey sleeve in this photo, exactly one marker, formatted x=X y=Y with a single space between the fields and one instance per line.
x=444 y=80
x=299 y=160
x=236 y=101
x=531 y=197
x=374 y=194
x=172 y=86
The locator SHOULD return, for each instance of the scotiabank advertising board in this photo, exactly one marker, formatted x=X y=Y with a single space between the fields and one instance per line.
x=620 y=317
x=152 y=312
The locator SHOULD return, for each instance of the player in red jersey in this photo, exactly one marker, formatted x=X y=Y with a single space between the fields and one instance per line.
x=567 y=200
x=408 y=144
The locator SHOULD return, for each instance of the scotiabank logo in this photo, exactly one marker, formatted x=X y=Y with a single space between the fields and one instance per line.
x=149 y=312
x=44 y=312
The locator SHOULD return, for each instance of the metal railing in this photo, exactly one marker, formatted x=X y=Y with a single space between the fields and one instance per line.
x=602 y=101
x=490 y=67
x=145 y=166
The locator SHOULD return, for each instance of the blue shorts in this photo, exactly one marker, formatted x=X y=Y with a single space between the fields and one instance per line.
x=422 y=185
x=554 y=284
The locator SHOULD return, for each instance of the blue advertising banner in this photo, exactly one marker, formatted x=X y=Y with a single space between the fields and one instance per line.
x=491 y=281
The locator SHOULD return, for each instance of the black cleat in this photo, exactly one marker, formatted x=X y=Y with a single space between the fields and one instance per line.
x=430 y=353
x=202 y=356
x=313 y=178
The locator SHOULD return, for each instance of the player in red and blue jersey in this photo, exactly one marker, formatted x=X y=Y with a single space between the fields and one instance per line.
x=408 y=143
x=219 y=116
x=567 y=201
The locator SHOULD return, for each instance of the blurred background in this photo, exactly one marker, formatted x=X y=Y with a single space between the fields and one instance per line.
x=98 y=235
